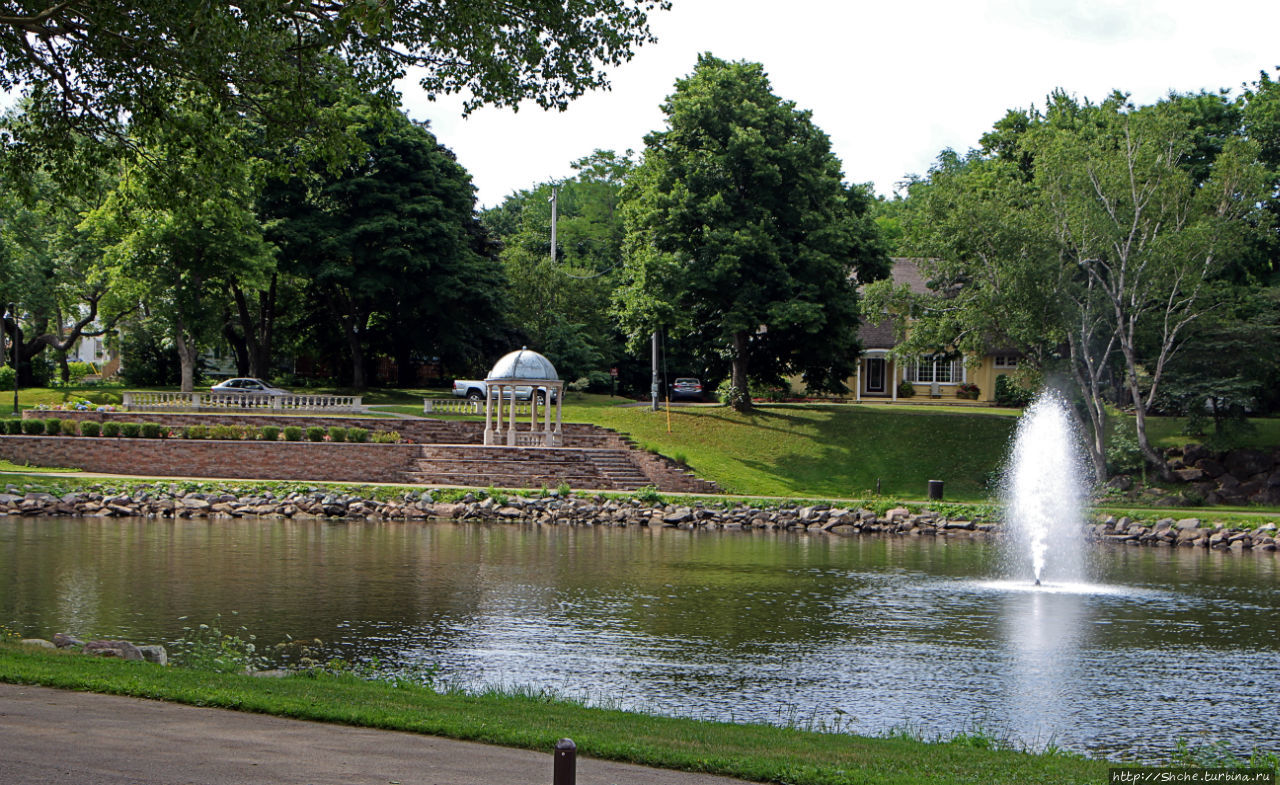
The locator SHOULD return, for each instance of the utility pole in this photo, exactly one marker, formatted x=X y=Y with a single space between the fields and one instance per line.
x=553 y=225
x=653 y=388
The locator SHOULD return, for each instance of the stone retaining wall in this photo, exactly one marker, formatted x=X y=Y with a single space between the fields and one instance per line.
x=162 y=501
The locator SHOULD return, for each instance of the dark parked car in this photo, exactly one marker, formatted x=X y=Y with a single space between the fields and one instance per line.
x=247 y=385
x=687 y=388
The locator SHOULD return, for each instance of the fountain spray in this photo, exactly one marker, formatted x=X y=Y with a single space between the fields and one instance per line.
x=1044 y=491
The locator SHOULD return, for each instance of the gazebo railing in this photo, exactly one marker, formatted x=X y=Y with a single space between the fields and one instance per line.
x=451 y=406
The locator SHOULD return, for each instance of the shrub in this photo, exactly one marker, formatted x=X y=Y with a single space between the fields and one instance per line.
x=151 y=430
x=336 y=434
x=357 y=435
x=1009 y=393
x=315 y=434
x=111 y=429
x=906 y=389
x=195 y=432
x=968 y=390
x=386 y=437
x=293 y=433
x=270 y=433
x=13 y=426
x=6 y=377
x=226 y=432
x=130 y=430
x=33 y=427
x=53 y=426
x=77 y=371
x=90 y=428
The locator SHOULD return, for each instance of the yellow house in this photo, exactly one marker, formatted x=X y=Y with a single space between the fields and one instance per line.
x=938 y=379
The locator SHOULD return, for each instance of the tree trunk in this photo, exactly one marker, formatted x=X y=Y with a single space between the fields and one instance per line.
x=357 y=359
x=187 y=352
x=239 y=347
x=741 y=399
x=1090 y=390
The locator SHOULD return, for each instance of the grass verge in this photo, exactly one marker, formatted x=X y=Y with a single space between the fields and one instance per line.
x=535 y=721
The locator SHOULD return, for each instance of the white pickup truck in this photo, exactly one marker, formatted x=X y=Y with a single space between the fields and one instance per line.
x=473 y=390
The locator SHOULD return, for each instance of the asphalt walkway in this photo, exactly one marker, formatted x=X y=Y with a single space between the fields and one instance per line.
x=57 y=737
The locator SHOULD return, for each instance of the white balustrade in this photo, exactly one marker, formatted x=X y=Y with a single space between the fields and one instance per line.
x=459 y=406
x=238 y=402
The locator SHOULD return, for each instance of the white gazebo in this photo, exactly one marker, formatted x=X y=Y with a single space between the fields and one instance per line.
x=523 y=374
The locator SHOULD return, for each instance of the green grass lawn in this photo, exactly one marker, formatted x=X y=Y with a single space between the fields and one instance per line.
x=820 y=450
x=535 y=721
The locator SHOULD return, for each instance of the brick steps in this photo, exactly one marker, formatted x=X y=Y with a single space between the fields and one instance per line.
x=605 y=469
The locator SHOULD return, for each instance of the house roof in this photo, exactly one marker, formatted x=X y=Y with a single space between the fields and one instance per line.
x=905 y=271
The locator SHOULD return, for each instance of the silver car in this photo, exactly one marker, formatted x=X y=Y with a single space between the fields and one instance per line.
x=247 y=385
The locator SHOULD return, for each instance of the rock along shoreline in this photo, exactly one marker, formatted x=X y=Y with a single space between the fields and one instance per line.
x=165 y=501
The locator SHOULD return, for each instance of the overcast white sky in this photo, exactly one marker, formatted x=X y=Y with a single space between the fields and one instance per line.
x=892 y=83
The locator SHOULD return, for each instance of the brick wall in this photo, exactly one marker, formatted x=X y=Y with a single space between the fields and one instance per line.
x=199 y=458
x=422 y=431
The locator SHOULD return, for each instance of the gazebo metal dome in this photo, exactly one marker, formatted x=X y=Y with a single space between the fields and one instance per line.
x=523 y=365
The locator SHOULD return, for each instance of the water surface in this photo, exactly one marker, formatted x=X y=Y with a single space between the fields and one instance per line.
x=874 y=633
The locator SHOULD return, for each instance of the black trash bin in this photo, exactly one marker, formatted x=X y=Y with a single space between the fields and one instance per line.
x=935 y=490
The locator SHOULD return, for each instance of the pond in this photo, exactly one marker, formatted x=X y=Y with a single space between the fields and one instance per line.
x=873 y=634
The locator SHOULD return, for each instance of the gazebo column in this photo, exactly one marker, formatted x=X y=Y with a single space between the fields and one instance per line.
x=533 y=410
x=511 y=419
x=549 y=438
x=559 y=438
x=488 y=415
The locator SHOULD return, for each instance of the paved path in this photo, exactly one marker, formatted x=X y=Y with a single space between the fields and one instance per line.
x=52 y=737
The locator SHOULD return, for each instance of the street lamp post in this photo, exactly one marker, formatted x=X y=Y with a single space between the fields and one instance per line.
x=17 y=351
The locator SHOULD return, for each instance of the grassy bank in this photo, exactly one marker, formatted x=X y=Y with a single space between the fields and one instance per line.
x=815 y=450
x=754 y=752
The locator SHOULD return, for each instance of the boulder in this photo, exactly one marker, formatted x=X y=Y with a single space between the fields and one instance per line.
x=1246 y=463
x=37 y=642
x=64 y=641
x=1211 y=468
x=155 y=653
x=1189 y=474
x=1185 y=523
x=122 y=649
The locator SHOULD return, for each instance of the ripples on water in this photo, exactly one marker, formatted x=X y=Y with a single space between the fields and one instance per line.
x=876 y=633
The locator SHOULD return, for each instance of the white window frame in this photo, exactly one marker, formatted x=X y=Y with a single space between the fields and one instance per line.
x=1006 y=361
x=957 y=376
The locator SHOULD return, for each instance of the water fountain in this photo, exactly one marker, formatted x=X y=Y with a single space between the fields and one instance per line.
x=1044 y=493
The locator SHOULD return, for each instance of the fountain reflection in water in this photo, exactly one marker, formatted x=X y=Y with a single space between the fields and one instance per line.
x=1044 y=495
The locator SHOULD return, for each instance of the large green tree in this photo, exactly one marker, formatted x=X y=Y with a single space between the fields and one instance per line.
x=1093 y=238
x=742 y=232
x=560 y=298
x=179 y=228
x=391 y=249
x=88 y=67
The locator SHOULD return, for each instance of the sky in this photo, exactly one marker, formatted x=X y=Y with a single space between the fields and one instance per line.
x=891 y=83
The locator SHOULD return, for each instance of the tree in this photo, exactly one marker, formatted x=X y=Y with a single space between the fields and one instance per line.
x=89 y=66
x=562 y=307
x=180 y=227
x=1090 y=237
x=51 y=268
x=1151 y=218
x=390 y=245
x=741 y=232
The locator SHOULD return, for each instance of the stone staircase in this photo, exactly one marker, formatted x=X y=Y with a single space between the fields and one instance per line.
x=534 y=467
